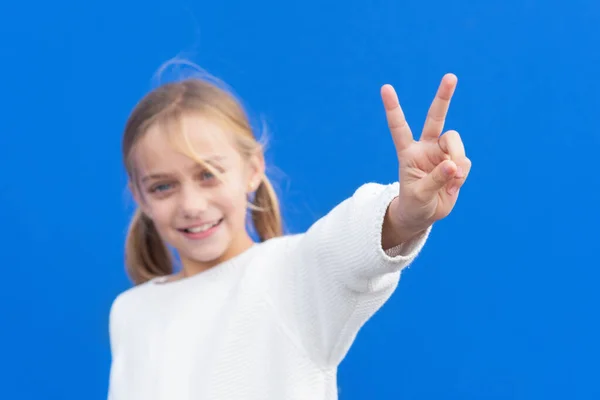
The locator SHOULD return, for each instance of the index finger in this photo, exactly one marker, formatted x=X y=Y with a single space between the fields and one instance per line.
x=401 y=134
x=436 y=116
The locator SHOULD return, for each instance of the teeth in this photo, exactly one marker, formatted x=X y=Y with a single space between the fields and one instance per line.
x=201 y=228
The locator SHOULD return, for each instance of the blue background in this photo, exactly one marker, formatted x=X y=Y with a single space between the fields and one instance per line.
x=502 y=304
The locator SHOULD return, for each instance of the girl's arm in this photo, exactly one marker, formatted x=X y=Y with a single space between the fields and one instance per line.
x=344 y=268
x=338 y=274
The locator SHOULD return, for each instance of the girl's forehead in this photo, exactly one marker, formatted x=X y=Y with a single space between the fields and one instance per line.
x=183 y=144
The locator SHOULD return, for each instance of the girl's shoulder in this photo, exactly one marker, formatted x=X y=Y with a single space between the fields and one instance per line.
x=132 y=298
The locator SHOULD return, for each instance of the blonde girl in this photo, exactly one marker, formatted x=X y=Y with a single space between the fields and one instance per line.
x=270 y=319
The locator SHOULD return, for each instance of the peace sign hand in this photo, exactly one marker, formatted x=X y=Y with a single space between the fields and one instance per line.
x=431 y=170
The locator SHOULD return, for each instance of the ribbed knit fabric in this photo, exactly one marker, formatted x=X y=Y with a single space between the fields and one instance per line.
x=271 y=324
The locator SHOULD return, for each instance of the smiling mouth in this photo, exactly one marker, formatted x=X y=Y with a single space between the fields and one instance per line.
x=202 y=228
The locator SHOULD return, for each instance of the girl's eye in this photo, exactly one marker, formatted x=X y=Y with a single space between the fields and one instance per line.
x=160 y=187
x=207 y=175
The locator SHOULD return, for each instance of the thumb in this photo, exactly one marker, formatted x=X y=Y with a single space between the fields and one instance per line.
x=438 y=178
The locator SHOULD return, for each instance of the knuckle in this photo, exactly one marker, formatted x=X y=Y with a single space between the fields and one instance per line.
x=468 y=163
x=465 y=165
x=451 y=135
x=437 y=118
x=451 y=143
x=397 y=123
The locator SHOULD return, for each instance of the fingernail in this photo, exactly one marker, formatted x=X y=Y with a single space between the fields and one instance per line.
x=460 y=173
x=453 y=189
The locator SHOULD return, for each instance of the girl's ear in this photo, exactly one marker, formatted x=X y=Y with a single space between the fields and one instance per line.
x=256 y=166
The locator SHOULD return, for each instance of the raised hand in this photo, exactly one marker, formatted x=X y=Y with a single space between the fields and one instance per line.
x=431 y=170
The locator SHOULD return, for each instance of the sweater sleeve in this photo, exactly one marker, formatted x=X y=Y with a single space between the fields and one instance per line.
x=338 y=274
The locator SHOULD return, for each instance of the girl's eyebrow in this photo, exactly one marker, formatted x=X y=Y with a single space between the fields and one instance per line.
x=214 y=159
x=154 y=176
x=209 y=160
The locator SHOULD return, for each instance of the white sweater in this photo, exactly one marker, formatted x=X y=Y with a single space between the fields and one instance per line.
x=271 y=324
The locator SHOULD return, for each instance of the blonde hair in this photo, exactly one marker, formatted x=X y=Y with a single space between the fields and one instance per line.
x=146 y=255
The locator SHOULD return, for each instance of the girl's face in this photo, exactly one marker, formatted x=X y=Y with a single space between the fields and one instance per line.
x=203 y=217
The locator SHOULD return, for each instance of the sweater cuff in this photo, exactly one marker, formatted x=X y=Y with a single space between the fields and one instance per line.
x=411 y=248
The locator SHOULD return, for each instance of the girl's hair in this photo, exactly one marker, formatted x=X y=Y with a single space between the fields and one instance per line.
x=146 y=255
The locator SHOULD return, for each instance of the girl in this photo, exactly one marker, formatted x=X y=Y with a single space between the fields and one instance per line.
x=267 y=320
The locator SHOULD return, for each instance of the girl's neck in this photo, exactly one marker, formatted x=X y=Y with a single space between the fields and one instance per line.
x=192 y=267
